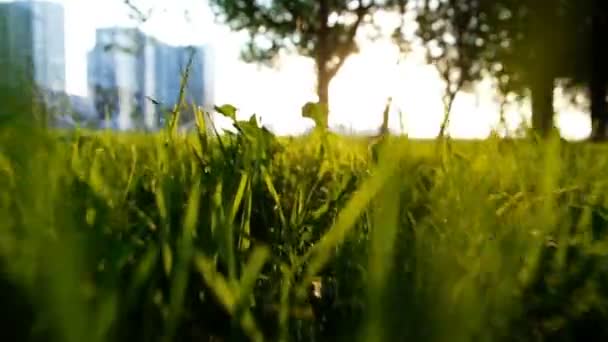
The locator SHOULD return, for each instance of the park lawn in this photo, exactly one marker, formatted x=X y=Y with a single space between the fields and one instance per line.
x=167 y=237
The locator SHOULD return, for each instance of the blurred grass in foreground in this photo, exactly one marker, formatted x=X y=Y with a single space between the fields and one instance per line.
x=168 y=237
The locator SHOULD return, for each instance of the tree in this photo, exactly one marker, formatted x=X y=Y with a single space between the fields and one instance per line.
x=526 y=45
x=507 y=41
x=324 y=30
x=453 y=36
x=598 y=83
x=539 y=42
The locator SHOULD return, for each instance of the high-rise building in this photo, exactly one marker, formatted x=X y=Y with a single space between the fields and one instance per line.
x=115 y=74
x=209 y=78
x=16 y=45
x=32 y=47
x=49 y=44
x=171 y=65
x=136 y=79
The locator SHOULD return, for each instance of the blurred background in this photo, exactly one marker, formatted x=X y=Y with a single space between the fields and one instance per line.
x=118 y=64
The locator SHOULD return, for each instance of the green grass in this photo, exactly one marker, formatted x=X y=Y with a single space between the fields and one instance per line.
x=167 y=237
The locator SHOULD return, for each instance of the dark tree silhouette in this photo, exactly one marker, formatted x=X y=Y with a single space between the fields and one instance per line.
x=598 y=82
x=529 y=45
x=453 y=36
x=551 y=40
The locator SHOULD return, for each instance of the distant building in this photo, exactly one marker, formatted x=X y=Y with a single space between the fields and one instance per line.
x=32 y=47
x=209 y=78
x=61 y=103
x=171 y=64
x=49 y=44
x=115 y=75
x=135 y=79
x=16 y=45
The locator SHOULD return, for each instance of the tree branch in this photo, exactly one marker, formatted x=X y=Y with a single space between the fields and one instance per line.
x=343 y=50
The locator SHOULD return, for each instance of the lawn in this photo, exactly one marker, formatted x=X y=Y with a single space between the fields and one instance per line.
x=173 y=237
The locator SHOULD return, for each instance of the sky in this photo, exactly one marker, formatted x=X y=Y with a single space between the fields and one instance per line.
x=358 y=93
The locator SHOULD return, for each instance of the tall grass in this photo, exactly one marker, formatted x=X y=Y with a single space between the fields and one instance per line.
x=173 y=237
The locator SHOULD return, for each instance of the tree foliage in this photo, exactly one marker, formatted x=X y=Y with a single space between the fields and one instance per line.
x=526 y=46
x=453 y=36
x=532 y=44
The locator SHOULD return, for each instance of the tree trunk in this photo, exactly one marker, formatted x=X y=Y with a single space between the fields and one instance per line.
x=323 y=75
x=323 y=86
x=447 y=110
x=542 y=104
x=544 y=43
x=323 y=89
x=598 y=83
x=599 y=119
x=384 y=129
x=503 y=116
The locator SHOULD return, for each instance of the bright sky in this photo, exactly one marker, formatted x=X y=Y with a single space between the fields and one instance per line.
x=358 y=93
